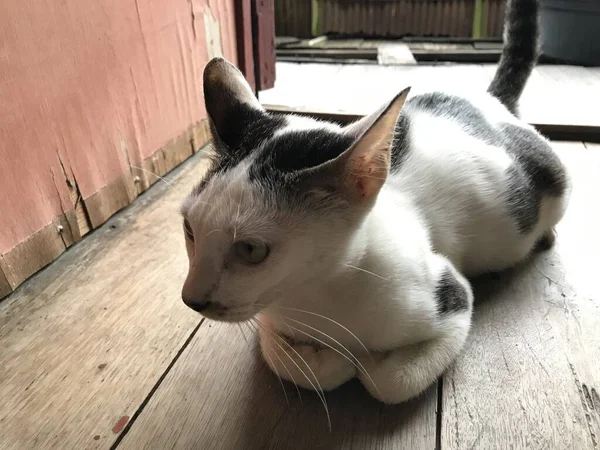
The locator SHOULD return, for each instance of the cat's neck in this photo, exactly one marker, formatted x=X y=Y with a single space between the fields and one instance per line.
x=384 y=261
x=375 y=262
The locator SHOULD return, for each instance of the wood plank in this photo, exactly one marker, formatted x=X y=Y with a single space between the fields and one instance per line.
x=84 y=341
x=530 y=374
x=395 y=54
x=221 y=395
x=47 y=244
x=359 y=89
x=5 y=287
x=38 y=250
x=263 y=39
x=557 y=132
x=564 y=95
x=557 y=96
x=245 y=46
x=113 y=197
x=345 y=53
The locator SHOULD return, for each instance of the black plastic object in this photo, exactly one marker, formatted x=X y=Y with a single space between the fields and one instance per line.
x=571 y=30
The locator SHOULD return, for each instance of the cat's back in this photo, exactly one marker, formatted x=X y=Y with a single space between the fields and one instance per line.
x=466 y=156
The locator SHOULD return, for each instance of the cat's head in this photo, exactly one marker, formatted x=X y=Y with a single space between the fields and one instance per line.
x=281 y=201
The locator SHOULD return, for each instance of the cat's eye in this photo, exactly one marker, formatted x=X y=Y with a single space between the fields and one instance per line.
x=188 y=230
x=251 y=252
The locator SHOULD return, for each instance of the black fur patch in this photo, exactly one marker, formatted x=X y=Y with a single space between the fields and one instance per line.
x=277 y=166
x=450 y=295
x=401 y=142
x=297 y=150
x=247 y=130
x=545 y=243
x=471 y=119
x=446 y=105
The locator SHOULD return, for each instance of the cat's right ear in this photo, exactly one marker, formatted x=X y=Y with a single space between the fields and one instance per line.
x=229 y=100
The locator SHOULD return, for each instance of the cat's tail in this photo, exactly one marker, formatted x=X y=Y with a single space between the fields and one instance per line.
x=521 y=34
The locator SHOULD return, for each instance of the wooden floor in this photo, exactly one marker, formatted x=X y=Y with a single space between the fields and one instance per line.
x=555 y=95
x=99 y=352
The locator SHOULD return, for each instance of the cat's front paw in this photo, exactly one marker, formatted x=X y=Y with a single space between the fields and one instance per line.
x=330 y=368
x=389 y=385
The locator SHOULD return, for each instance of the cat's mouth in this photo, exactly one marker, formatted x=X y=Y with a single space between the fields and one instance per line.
x=216 y=311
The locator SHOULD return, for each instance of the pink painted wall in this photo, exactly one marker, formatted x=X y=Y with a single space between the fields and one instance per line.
x=93 y=87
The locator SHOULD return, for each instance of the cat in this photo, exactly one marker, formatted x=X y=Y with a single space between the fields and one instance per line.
x=349 y=247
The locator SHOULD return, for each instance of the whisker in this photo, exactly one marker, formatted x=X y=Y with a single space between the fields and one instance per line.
x=287 y=400
x=286 y=324
x=211 y=232
x=326 y=318
x=366 y=271
x=237 y=217
x=318 y=390
x=278 y=377
x=167 y=182
x=355 y=361
x=283 y=364
x=243 y=334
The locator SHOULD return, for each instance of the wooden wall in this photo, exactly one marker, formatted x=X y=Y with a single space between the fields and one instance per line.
x=89 y=93
x=390 y=18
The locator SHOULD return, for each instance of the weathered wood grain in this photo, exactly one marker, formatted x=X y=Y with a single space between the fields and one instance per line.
x=555 y=95
x=530 y=375
x=83 y=342
x=39 y=249
x=5 y=287
x=221 y=395
x=561 y=95
x=360 y=89
x=82 y=215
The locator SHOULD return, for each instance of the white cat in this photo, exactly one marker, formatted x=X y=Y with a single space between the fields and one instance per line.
x=352 y=244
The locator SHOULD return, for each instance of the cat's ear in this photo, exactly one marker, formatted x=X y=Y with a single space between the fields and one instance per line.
x=367 y=162
x=229 y=100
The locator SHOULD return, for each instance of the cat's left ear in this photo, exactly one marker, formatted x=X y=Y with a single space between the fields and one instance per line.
x=230 y=102
x=367 y=162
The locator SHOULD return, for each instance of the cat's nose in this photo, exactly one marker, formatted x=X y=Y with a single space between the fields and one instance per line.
x=197 y=306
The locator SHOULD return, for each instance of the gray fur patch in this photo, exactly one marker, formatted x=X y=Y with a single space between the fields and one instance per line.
x=460 y=110
x=545 y=243
x=439 y=104
x=537 y=171
x=537 y=159
x=450 y=295
x=522 y=198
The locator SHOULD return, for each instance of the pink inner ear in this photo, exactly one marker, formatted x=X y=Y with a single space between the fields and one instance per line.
x=370 y=172
x=371 y=159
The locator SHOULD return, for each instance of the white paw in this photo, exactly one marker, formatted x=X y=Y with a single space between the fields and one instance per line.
x=390 y=385
x=330 y=368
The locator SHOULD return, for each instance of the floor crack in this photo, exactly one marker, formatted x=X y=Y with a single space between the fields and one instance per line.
x=438 y=413
x=146 y=400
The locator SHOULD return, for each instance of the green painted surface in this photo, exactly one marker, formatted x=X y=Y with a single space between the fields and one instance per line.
x=315 y=16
